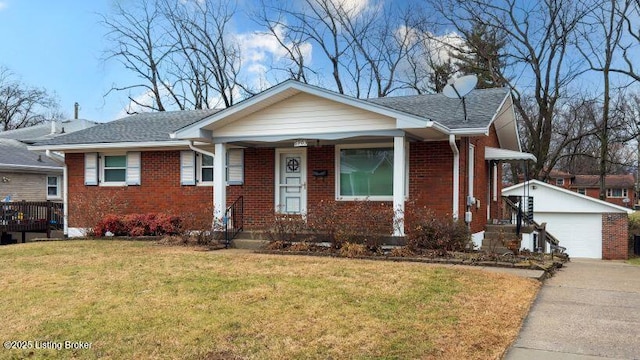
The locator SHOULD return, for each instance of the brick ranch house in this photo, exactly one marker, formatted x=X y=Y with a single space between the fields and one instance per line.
x=292 y=146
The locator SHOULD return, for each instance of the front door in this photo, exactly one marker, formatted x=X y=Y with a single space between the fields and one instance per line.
x=291 y=181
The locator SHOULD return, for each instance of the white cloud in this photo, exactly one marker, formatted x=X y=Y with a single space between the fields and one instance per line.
x=261 y=52
x=355 y=6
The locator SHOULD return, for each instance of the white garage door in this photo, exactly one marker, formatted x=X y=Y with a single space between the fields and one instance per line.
x=581 y=234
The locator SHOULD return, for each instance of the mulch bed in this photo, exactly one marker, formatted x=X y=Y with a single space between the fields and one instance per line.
x=525 y=260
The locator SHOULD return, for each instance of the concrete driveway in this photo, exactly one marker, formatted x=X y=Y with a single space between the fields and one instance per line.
x=590 y=309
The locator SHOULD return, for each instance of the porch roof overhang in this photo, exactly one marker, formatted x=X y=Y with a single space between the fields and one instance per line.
x=491 y=153
x=204 y=130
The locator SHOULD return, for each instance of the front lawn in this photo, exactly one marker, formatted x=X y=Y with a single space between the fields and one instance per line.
x=140 y=300
x=634 y=261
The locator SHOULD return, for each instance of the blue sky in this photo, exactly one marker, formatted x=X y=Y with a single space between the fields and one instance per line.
x=58 y=45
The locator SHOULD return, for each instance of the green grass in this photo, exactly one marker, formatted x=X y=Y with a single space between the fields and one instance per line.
x=141 y=300
x=634 y=261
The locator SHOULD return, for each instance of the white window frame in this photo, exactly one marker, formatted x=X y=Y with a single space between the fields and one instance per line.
x=58 y=194
x=624 y=193
x=200 y=167
x=560 y=182
x=103 y=181
x=339 y=197
x=581 y=191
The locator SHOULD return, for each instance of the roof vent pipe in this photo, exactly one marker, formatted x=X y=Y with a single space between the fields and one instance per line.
x=76 y=110
x=53 y=126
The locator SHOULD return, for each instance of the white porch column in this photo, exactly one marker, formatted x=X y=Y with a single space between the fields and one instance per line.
x=219 y=183
x=399 y=180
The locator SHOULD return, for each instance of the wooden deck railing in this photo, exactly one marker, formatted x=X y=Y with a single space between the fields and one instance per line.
x=29 y=216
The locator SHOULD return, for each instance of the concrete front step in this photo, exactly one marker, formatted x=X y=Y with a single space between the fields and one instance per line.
x=495 y=236
x=251 y=235
x=248 y=244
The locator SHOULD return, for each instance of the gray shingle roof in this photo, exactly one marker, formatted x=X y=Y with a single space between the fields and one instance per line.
x=42 y=131
x=136 y=128
x=626 y=181
x=481 y=105
x=148 y=127
x=14 y=152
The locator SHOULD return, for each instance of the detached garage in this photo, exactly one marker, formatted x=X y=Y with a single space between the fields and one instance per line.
x=587 y=227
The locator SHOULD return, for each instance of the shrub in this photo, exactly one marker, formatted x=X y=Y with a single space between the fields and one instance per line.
x=352 y=250
x=634 y=225
x=360 y=222
x=427 y=231
x=110 y=223
x=138 y=225
x=286 y=228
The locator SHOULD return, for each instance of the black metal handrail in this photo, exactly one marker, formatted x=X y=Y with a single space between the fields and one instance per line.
x=233 y=220
x=524 y=215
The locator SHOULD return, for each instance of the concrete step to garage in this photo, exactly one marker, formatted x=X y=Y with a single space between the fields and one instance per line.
x=496 y=237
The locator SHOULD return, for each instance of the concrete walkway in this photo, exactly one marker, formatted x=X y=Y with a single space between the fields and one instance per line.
x=590 y=309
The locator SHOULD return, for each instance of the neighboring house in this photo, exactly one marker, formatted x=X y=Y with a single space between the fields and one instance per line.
x=46 y=130
x=586 y=226
x=30 y=176
x=25 y=175
x=620 y=189
x=294 y=145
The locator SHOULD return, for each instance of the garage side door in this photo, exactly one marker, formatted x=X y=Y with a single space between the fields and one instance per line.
x=581 y=234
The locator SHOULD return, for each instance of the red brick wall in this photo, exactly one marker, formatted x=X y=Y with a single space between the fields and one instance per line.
x=430 y=179
x=258 y=190
x=431 y=176
x=481 y=180
x=160 y=191
x=615 y=242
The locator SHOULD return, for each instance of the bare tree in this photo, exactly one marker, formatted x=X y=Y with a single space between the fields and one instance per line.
x=292 y=42
x=539 y=39
x=315 y=21
x=429 y=65
x=383 y=40
x=142 y=46
x=207 y=60
x=23 y=106
x=602 y=35
x=182 y=52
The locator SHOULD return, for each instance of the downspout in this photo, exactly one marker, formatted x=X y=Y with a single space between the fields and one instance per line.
x=198 y=150
x=65 y=192
x=456 y=176
x=205 y=152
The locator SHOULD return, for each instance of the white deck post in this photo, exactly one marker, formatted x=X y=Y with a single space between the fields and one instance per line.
x=399 y=177
x=219 y=183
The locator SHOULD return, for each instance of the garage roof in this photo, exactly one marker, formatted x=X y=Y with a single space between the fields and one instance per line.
x=554 y=199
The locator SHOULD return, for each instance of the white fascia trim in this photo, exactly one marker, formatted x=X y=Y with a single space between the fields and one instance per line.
x=107 y=146
x=188 y=131
x=319 y=136
x=470 y=131
x=495 y=115
x=30 y=167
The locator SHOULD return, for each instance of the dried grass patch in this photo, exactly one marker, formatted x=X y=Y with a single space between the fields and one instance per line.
x=140 y=300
